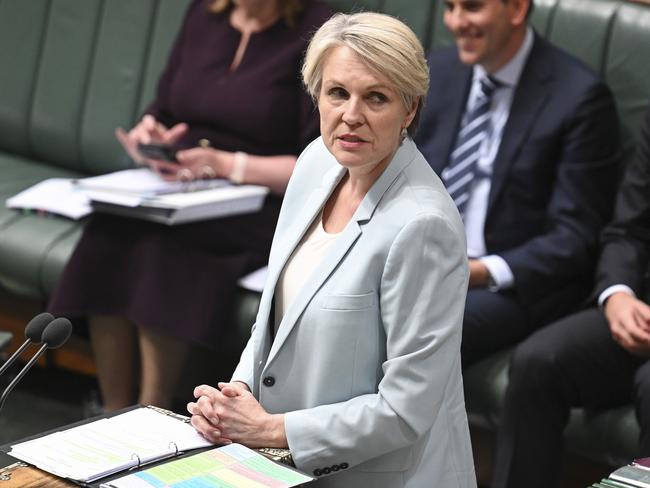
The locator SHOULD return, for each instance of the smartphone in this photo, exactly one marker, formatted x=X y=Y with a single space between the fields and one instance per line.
x=158 y=151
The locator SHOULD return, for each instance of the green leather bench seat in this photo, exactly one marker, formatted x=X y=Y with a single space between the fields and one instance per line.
x=83 y=68
x=73 y=70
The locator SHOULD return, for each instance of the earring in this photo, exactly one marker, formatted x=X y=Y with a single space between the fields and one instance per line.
x=404 y=134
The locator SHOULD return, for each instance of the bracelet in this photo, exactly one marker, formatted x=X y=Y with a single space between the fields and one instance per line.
x=238 y=168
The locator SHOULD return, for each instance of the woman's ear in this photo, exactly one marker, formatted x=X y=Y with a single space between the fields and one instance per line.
x=411 y=114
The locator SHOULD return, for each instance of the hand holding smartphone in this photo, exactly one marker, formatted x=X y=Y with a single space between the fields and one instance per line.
x=158 y=151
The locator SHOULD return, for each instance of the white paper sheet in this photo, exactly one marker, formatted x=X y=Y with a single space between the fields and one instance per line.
x=56 y=195
x=97 y=449
x=254 y=281
x=143 y=182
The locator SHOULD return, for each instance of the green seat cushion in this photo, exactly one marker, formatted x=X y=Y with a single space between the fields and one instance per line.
x=28 y=240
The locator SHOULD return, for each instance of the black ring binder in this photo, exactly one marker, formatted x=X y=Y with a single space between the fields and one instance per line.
x=138 y=458
x=172 y=443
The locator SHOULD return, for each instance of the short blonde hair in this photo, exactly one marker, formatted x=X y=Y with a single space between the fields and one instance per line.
x=384 y=43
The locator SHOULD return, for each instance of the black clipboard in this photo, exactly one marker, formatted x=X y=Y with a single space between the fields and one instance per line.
x=6 y=448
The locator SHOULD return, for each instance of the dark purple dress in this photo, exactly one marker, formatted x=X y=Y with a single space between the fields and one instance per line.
x=181 y=280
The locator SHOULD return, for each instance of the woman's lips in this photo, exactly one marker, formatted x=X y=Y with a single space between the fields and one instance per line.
x=350 y=141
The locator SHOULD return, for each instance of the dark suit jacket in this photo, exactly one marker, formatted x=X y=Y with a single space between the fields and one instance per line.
x=555 y=172
x=625 y=257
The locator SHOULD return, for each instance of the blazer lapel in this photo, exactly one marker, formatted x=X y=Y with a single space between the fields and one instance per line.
x=529 y=97
x=341 y=246
x=286 y=246
x=454 y=99
x=306 y=216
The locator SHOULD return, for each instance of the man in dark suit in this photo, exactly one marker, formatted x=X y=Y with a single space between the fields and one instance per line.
x=596 y=358
x=526 y=138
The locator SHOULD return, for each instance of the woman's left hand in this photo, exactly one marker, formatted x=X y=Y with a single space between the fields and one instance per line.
x=233 y=414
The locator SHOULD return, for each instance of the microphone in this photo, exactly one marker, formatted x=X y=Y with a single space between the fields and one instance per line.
x=33 y=333
x=55 y=334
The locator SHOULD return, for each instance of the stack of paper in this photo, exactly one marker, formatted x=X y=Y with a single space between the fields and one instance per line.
x=634 y=475
x=111 y=445
x=143 y=183
x=141 y=193
x=177 y=208
x=56 y=195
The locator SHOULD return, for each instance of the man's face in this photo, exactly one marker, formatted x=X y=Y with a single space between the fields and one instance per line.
x=487 y=32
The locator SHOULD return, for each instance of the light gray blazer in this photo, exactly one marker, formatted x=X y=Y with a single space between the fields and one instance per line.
x=366 y=361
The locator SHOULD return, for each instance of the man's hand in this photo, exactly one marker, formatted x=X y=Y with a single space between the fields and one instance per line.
x=629 y=322
x=479 y=276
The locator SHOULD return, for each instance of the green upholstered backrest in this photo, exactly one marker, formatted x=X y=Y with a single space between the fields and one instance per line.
x=73 y=70
x=76 y=69
x=582 y=27
x=627 y=66
x=418 y=14
x=542 y=14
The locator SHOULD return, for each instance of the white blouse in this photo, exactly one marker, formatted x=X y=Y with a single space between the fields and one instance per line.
x=305 y=259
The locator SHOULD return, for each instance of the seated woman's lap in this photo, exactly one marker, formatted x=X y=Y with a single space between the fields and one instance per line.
x=177 y=280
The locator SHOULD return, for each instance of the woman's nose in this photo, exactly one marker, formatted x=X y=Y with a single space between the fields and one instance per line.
x=353 y=112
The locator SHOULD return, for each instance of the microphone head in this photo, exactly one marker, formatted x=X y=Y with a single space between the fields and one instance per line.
x=36 y=326
x=57 y=332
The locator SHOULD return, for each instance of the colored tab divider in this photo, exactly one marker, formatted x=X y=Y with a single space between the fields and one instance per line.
x=232 y=466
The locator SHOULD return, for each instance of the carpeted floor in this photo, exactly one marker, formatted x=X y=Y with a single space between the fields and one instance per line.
x=45 y=399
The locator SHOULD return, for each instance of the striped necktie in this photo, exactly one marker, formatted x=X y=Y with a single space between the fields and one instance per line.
x=460 y=173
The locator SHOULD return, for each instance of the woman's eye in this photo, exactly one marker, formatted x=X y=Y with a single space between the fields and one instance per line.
x=337 y=92
x=377 y=97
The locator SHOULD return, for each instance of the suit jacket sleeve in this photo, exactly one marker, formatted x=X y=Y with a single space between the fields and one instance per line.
x=244 y=371
x=626 y=241
x=580 y=201
x=426 y=259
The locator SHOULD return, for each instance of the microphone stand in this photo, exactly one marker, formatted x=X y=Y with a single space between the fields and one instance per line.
x=13 y=357
x=22 y=373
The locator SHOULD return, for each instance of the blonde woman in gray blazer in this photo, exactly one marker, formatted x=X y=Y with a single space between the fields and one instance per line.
x=354 y=361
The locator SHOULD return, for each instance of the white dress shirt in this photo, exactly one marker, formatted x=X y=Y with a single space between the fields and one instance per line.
x=608 y=292
x=476 y=209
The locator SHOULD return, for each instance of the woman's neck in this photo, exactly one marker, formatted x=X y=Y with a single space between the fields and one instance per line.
x=254 y=18
x=359 y=180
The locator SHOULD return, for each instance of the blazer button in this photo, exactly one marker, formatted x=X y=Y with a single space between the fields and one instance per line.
x=344 y=465
x=335 y=468
x=317 y=472
x=326 y=470
x=269 y=381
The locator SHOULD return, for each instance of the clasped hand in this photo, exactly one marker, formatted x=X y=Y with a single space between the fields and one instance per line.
x=195 y=163
x=232 y=414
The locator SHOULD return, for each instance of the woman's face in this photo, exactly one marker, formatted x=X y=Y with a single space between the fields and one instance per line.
x=252 y=6
x=361 y=112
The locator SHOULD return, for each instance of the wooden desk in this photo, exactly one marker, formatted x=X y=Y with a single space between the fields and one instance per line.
x=20 y=475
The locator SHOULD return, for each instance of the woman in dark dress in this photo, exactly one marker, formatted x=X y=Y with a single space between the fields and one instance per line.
x=231 y=102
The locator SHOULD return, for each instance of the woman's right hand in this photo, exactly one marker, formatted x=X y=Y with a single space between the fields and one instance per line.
x=148 y=131
x=629 y=322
